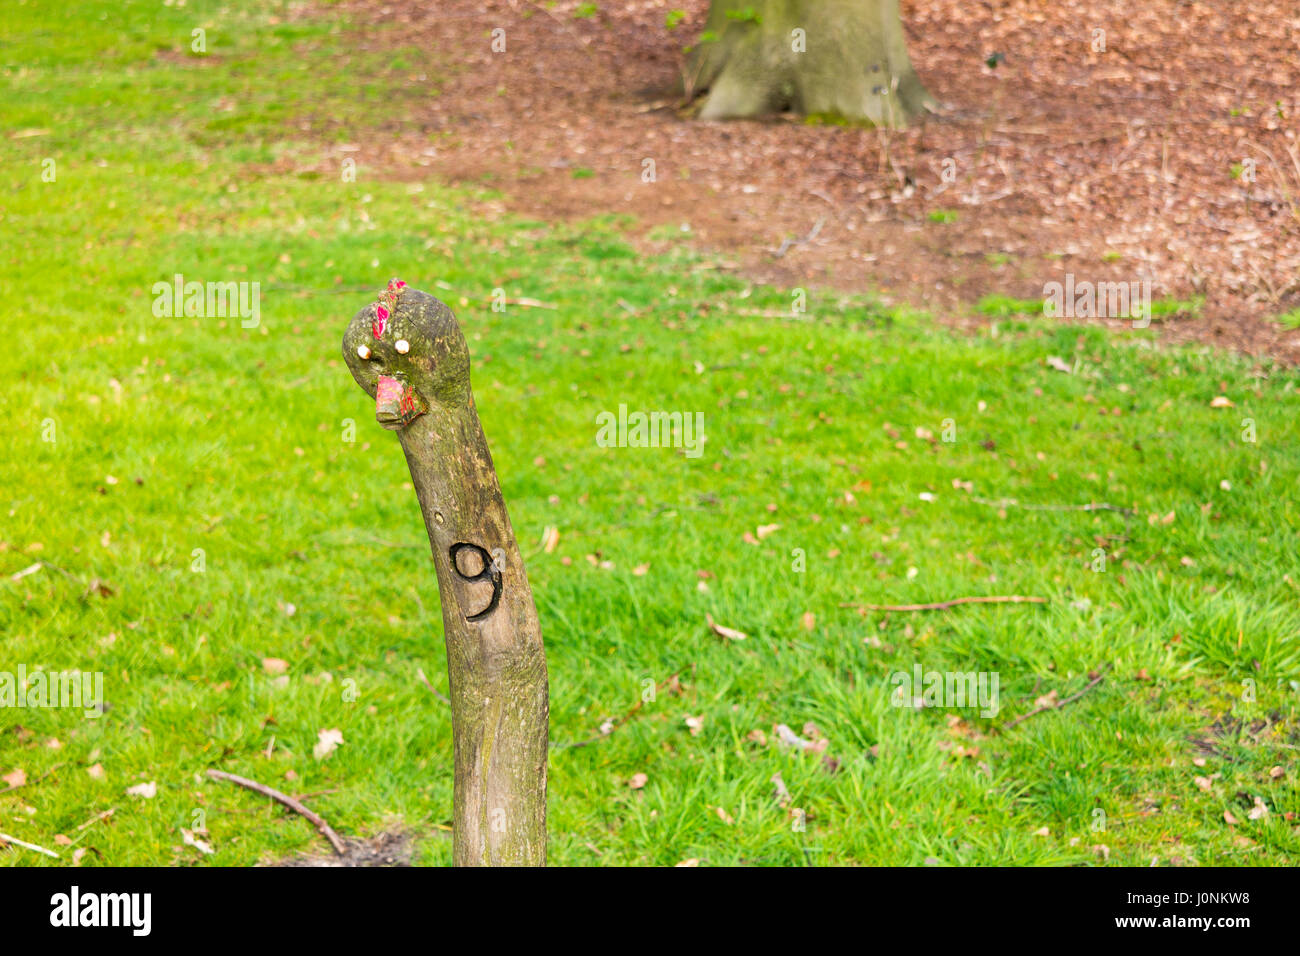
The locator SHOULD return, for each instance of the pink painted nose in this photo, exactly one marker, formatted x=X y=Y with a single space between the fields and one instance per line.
x=395 y=404
x=389 y=393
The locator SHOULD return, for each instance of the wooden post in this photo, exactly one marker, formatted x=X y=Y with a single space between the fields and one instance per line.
x=407 y=352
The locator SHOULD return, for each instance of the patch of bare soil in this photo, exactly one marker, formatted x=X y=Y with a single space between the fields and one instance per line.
x=1162 y=148
x=386 y=849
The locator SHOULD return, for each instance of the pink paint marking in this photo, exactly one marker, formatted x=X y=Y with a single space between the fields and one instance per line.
x=390 y=391
x=387 y=302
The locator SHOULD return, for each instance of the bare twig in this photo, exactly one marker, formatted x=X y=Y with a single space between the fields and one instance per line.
x=528 y=303
x=1101 y=675
x=6 y=838
x=1091 y=506
x=316 y=793
x=315 y=818
x=33 y=568
x=15 y=786
x=614 y=725
x=30 y=569
x=941 y=605
x=96 y=818
x=419 y=672
x=96 y=586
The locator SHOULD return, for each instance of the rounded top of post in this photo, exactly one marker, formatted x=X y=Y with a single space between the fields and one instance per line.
x=410 y=336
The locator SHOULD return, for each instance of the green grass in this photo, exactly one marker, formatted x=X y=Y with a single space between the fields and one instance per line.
x=1003 y=306
x=179 y=436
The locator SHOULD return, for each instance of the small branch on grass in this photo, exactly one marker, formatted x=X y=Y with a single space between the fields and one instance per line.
x=96 y=818
x=941 y=605
x=6 y=838
x=614 y=725
x=419 y=672
x=1101 y=675
x=30 y=569
x=15 y=786
x=33 y=568
x=315 y=793
x=315 y=818
x=96 y=586
x=1091 y=506
x=529 y=303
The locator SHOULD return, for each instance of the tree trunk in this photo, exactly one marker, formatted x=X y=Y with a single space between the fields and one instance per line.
x=408 y=352
x=841 y=59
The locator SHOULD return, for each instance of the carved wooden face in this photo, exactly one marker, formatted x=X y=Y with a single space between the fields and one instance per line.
x=407 y=352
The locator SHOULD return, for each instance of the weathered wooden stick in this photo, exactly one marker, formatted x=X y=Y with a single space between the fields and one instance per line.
x=944 y=605
x=6 y=838
x=314 y=818
x=407 y=352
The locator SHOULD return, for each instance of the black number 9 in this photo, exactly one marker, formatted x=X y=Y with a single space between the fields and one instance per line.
x=490 y=572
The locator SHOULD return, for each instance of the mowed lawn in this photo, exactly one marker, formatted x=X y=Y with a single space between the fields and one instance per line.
x=222 y=531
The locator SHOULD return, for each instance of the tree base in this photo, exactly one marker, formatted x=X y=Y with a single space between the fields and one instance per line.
x=840 y=58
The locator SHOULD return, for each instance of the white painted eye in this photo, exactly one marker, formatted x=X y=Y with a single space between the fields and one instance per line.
x=403 y=346
x=363 y=352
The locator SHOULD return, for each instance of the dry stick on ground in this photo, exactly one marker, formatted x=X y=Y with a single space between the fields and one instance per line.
x=1061 y=703
x=6 y=838
x=315 y=793
x=419 y=672
x=96 y=586
x=30 y=569
x=527 y=303
x=38 y=779
x=941 y=605
x=96 y=818
x=33 y=568
x=622 y=720
x=1091 y=506
x=315 y=818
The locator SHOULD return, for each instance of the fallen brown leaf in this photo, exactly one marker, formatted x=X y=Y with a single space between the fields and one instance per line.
x=730 y=633
x=327 y=742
